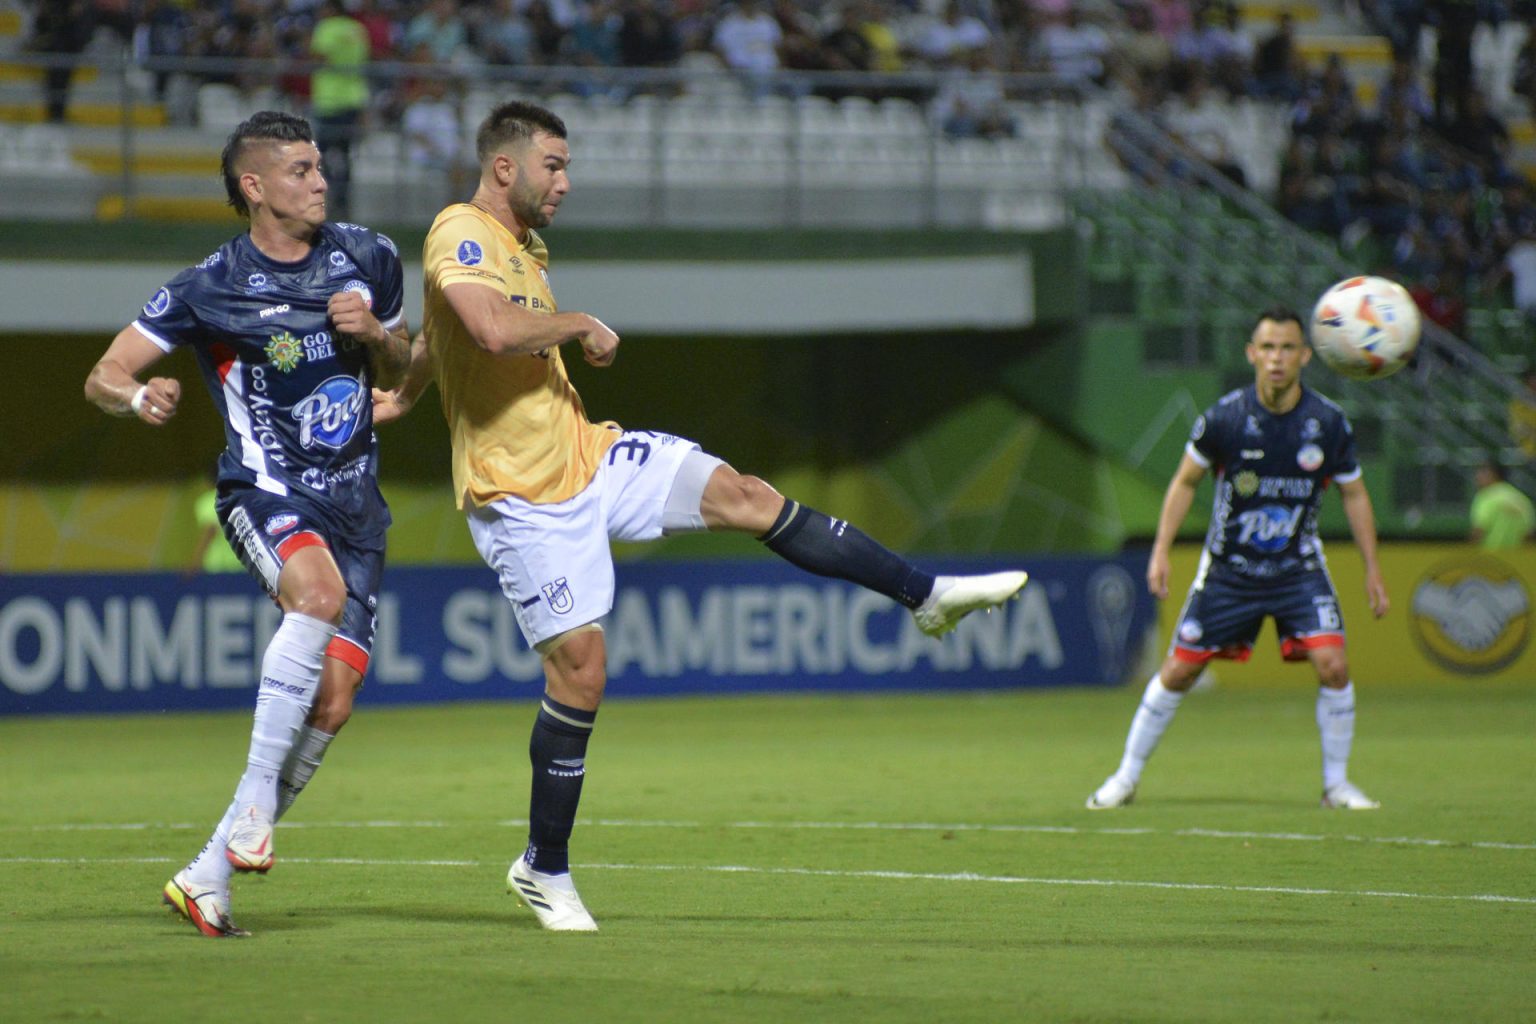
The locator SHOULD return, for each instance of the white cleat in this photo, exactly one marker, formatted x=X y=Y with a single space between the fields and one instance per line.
x=250 y=841
x=552 y=898
x=955 y=597
x=1115 y=792
x=1347 y=796
x=207 y=909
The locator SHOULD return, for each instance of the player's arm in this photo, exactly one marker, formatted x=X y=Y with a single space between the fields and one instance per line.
x=1176 y=502
x=502 y=327
x=1362 y=525
x=389 y=348
x=390 y=405
x=113 y=384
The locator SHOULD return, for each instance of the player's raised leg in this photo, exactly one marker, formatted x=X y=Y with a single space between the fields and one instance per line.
x=1336 y=729
x=1159 y=702
x=826 y=546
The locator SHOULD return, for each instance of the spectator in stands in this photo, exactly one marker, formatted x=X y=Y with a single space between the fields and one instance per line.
x=1482 y=133
x=949 y=41
x=1220 y=48
x=164 y=31
x=1518 y=267
x=338 y=97
x=1074 y=49
x=433 y=141
x=647 y=37
x=61 y=28
x=440 y=27
x=1138 y=49
x=504 y=35
x=1402 y=85
x=1277 y=71
x=747 y=39
x=970 y=103
x=1502 y=515
x=548 y=34
x=884 y=43
x=593 y=40
x=1456 y=20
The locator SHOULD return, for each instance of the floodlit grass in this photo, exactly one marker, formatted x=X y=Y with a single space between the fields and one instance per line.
x=911 y=858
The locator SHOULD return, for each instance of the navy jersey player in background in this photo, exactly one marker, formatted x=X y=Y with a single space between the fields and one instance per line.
x=291 y=324
x=1274 y=448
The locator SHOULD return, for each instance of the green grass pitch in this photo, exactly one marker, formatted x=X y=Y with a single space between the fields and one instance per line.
x=798 y=859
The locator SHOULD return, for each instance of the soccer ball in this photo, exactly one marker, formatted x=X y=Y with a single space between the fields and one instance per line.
x=1365 y=327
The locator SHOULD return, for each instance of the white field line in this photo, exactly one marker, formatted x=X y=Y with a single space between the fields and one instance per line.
x=854 y=826
x=898 y=876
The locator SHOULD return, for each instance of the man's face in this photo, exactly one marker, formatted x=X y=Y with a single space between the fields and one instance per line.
x=540 y=181
x=1278 y=352
x=290 y=184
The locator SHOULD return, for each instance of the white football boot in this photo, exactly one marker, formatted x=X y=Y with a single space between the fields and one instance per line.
x=250 y=841
x=1115 y=792
x=955 y=597
x=1347 y=796
x=552 y=898
x=206 y=908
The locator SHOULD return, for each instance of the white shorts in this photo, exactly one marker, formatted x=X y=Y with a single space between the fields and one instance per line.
x=554 y=561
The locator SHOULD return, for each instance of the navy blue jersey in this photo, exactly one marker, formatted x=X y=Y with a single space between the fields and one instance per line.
x=1271 y=471
x=295 y=399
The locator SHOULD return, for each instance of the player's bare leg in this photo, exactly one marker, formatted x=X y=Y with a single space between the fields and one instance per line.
x=1159 y=702
x=1336 y=729
x=575 y=675
x=827 y=546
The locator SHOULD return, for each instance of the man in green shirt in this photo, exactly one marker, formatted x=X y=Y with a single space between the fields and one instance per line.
x=1502 y=517
x=338 y=97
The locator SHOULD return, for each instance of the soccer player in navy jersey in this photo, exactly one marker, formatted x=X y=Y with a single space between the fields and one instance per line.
x=1274 y=447
x=292 y=323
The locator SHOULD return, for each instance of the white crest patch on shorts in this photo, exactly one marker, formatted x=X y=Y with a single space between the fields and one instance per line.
x=558 y=594
x=1190 y=631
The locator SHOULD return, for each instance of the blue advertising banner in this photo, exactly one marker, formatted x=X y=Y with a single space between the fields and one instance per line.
x=151 y=642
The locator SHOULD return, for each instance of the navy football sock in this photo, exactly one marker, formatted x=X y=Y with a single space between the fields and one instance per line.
x=833 y=547
x=558 y=750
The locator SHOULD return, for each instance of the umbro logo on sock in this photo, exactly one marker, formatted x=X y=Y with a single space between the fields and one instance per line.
x=568 y=768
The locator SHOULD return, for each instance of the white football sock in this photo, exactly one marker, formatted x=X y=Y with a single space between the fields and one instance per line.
x=1336 y=727
x=303 y=761
x=290 y=677
x=1157 y=707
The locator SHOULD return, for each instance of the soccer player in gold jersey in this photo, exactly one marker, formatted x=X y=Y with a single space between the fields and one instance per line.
x=545 y=489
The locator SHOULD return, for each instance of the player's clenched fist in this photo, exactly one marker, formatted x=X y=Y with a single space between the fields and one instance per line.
x=156 y=402
x=353 y=315
x=599 y=344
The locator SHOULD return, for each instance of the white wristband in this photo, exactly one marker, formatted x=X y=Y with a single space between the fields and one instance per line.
x=137 y=401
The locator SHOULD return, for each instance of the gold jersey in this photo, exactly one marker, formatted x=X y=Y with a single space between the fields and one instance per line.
x=517 y=425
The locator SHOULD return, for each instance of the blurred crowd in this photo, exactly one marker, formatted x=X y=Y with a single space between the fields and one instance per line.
x=1419 y=186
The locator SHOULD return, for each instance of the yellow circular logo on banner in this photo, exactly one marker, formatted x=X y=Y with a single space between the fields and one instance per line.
x=1472 y=615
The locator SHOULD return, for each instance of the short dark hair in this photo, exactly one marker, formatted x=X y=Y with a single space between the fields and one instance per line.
x=262 y=126
x=514 y=121
x=1280 y=315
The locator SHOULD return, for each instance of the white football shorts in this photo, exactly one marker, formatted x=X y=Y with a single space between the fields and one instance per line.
x=554 y=561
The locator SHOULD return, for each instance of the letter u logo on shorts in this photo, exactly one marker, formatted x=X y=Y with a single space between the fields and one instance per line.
x=558 y=594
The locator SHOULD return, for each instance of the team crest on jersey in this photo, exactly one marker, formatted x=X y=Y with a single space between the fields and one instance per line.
x=558 y=594
x=280 y=524
x=285 y=351
x=1310 y=458
x=1251 y=427
x=158 y=303
x=1246 y=483
x=355 y=285
x=329 y=415
x=1311 y=428
x=340 y=264
x=470 y=253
